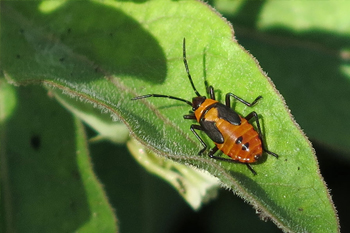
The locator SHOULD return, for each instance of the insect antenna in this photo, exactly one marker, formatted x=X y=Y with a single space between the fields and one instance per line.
x=173 y=97
x=186 y=66
x=162 y=96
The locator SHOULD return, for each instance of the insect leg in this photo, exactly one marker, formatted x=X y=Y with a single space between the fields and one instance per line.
x=190 y=116
x=256 y=119
x=215 y=149
x=211 y=92
x=228 y=101
x=212 y=152
x=198 y=127
x=251 y=169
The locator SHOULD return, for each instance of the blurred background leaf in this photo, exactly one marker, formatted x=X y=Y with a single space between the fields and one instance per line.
x=47 y=182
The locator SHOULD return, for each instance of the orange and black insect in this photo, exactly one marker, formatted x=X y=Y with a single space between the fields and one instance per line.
x=231 y=133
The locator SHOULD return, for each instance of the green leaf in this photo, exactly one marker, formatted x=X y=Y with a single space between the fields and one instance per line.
x=136 y=49
x=46 y=176
x=107 y=128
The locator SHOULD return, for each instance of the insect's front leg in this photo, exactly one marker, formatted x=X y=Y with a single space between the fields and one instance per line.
x=190 y=117
x=198 y=127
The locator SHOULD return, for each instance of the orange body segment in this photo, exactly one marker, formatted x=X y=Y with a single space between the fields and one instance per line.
x=203 y=108
x=235 y=150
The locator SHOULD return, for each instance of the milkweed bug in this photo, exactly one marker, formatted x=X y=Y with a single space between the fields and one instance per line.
x=231 y=133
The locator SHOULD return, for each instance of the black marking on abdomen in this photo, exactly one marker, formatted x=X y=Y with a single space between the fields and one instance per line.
x=239 y=140
x=245 y=146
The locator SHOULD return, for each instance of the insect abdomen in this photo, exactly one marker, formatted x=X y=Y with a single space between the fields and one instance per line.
x=241 y=142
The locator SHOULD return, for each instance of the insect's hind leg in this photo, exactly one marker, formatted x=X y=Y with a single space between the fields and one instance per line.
x=256 y=119
x=215 y=149
x=251 y=169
